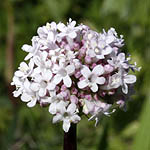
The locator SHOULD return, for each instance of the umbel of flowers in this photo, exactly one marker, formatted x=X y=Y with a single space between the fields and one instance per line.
x=75 y=71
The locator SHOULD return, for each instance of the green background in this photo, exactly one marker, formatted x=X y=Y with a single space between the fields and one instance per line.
x=23 y=128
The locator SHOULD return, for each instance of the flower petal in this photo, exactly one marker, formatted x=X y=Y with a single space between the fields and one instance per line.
x=31 y=103
x=19 y=73
x=121 y=57
x=25 y=97
x=67 y=81
x=57 y=118
x=75 y=118
x=71 y=108
x=35 y=86
x=57 y=79
x=70 y=69
x=50 y=36
x=27 y=48
x=98 y=70
x=52 y=108
x=94 y=87
x=107 y=51
x=125 y=88
x=47 y=75
x=82 y=84
x=66 y=125
x=51 y=86
x=61 y=27
x=61 y=107
x=100 y=80
x=42 y=92
x=86 y=72
x=28 y=56
x=72 y=35
x=129 y=79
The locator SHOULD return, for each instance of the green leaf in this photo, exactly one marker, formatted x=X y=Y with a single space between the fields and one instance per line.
x=142 y=139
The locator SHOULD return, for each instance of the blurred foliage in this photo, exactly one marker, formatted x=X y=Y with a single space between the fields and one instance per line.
x=22 y=128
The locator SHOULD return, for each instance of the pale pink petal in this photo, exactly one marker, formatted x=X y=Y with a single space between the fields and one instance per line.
x=61 y=107
x=67 y=81
x=47 y=75
x=19 y=74
x=50 y=36
x=42 y=92
x=100 y=80
x=25 y=97
x=57 y=79
x=94 y=87
x=66 y=125
x=53 y=26
x=35 y=86
x=52 y=108
x=61 y=27
x=27 y=48
x=125 y=88
x=24 y=66
x=70 y=69
x=75 y=118
x=51 y=86
x=57 y=118
x=98 y=70
x=27 y=85
x=121 y=57
x=71 y=108
x=89 y=106
x=129 y=79
x=16 y=81
x=31 y=64
x=31 y=103
x=86 y=72
x=28 y=56
x=17 y=93
x=44 y=55
x=107 y=51
x=82 y=84
x=72 y=35
x=37 y=60
x=110 y=39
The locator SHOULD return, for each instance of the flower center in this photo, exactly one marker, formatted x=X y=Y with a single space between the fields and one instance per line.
x=97 y=50
x=92 y=78
x=63 y=72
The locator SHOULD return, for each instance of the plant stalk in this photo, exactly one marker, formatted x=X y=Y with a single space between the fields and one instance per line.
x=70 y=138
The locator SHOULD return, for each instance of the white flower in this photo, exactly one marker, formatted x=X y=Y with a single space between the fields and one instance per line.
x=100 y=110
x=57 y=55
x=31 y=49
x=41 y=62
x=120 y=79
x=92 y=78
x=55 y=100
x=69 y=30
x=42 y=82
x=127 y=79
x=24 y=69
x=119 y=61
x=19 y=86
x=96 y=109
x=64 y=74
x=30 y=98
x=67 y=116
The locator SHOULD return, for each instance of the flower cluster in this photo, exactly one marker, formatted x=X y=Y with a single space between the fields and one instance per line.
x=74 y=71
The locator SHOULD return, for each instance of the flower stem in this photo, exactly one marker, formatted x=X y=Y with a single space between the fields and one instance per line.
x=70 y=138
